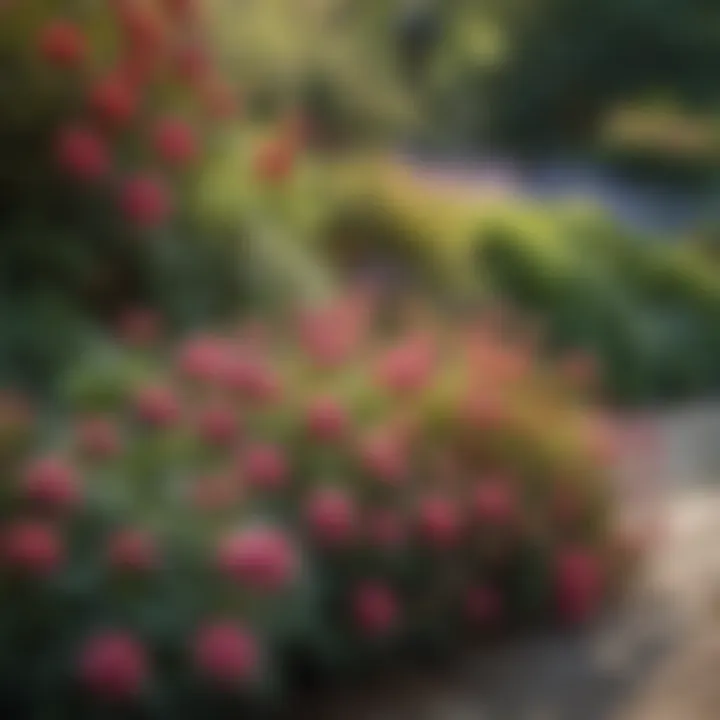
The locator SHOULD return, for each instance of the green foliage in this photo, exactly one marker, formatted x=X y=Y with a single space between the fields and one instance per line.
x=648 y=311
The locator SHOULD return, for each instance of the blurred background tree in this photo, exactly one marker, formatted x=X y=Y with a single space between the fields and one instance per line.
x=544 y=74
x=334 y=58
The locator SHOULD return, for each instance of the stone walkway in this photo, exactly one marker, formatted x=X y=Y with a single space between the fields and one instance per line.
x=657 y=658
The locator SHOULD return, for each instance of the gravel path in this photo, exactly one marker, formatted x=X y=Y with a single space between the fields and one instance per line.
x=656 y=658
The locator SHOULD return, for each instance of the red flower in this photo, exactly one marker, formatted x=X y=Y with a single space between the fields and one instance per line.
x=326 y=420
x=331 y=516
x=63 y=44
x=203 y=359
x=132 y=551
x=98 y=437
x=265 y=467
x=483 y=605
x=114 y=100
x=274 y=162
x=439 y=523
x=52 y=483
x=494 y=502
x=218 y=425
x=578 y=584
x=260 y=556
x=113 y=666
x=82 y=153
x=32 y=547
x=385 y=529
x=175 y=142
x=226 y=654
x=157 y=406
x=145 y=201
x=375 y=609
x=254 y=380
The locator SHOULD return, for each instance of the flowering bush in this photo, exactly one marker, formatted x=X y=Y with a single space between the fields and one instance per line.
x=116 y=108
x=252 y=507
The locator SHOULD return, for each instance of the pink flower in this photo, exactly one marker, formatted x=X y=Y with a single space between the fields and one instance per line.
x=175 y=142
x=145 y=201
x=327 y=421
x=63 y=44
x=407 y=367
x=82 y=153
x=328 y=337
x=226 y=654
x=331 y=516
x=385 y=529
x=203 y=359
x=218 y=425
x=98 y=437
x=132 y=550
x=157 y=406
x=483 y=605
x=439 y=523
x=494 y=502
x=52 y=483
x=265 y=467
x=113 y=666
x=260 y=556
x=32 y=547
x=375 y=609
x=578 y=584
x=253 y=379
x=384 y=458
x=114 y=101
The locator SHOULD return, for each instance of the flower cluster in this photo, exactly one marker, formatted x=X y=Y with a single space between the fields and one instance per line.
x=323 y=479
x=160 y=53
